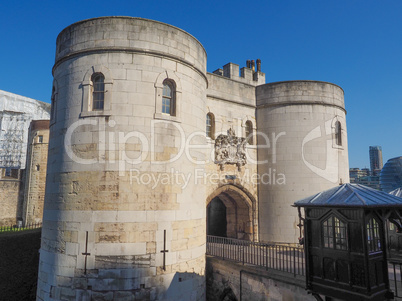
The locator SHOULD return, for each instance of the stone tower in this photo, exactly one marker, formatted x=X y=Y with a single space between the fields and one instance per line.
x=35 y=171
x=302 y=146
x=120 y=220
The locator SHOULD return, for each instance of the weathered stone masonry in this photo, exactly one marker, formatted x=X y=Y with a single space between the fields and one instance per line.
x=132 y=169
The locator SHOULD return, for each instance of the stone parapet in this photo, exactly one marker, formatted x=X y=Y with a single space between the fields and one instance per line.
x=128 y=34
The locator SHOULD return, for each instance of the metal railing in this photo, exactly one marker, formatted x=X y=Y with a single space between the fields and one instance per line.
x=15 y=228
x=395 y=277
x=280 y=257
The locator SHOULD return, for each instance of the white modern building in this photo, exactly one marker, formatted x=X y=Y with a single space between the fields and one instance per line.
x=16 y=113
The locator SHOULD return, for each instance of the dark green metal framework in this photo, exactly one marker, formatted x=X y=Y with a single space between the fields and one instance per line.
x=345 y=242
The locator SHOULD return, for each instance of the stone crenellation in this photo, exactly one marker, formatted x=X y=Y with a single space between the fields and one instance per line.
x=249 y=74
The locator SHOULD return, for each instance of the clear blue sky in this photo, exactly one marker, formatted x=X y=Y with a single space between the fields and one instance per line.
x=356 y=44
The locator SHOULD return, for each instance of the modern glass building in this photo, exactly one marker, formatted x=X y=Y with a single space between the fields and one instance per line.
x=375 y=159
x=391 y=175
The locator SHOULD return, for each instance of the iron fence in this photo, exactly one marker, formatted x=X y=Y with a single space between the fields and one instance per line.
x=395 y=277
x=279 y=257
x=15 y=228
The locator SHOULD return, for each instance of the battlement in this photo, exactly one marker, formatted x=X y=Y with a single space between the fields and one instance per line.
x=251 y=74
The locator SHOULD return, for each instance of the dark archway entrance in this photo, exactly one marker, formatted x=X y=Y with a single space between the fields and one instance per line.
x=231 y=213
x=216 y=218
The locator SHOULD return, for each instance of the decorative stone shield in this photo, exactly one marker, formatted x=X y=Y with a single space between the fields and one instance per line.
x=230 y=149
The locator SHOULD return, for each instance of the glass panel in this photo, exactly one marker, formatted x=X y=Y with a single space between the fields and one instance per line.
x=340 y=235
x=98 y=94
x=167 y=90
x=328 y=233
x=373 y=235
x=165 y=105
x=208 y=126
x=168 y=101
x=335 y=234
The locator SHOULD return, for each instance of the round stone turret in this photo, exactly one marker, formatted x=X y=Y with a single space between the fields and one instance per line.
x=120 y=218
x=302 y=150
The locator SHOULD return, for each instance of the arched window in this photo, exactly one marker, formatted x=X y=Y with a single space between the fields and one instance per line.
x=338 y=133
x=98 y=91
x=249 y=132
x=334 y=233
x=210 y=126
x=373 y=235
x=168 y=98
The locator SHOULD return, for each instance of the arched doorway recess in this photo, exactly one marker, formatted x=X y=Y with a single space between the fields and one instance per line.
x=235 y=207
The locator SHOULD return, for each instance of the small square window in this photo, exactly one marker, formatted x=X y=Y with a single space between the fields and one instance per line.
x=40 y=139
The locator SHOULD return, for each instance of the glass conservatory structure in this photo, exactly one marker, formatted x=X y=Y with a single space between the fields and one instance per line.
x=345 y=242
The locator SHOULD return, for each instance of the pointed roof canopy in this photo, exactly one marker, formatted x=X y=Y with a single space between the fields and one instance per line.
x=351 y=195
x=397 y=192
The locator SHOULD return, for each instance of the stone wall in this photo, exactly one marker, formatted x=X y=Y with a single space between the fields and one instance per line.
x=35 y=174
x=128 y=184
x=232 y=104
x=233 y=281
x=10 y=201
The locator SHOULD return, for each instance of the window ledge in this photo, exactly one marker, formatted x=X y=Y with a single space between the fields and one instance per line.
x=167 y=117
x=95 y=114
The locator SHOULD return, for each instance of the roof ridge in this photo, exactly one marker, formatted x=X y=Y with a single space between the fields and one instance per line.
x=358 y=195
x=337 y=191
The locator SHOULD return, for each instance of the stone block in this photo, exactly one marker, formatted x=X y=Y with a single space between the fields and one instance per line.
x=101 y=296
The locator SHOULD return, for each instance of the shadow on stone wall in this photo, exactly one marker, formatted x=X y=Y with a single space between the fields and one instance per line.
x=19 y=259
x=229 y=281
x=185 y=286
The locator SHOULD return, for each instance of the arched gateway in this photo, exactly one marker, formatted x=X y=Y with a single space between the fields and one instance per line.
x=231 y=212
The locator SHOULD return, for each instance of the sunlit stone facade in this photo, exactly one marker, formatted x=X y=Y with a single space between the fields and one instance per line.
x=143 y=141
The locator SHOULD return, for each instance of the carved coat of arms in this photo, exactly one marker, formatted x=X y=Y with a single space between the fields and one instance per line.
x=230 y=149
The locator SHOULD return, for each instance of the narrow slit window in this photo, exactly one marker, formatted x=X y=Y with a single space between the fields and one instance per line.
x=338 y=133
x=210 y=125
x=249 y=132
